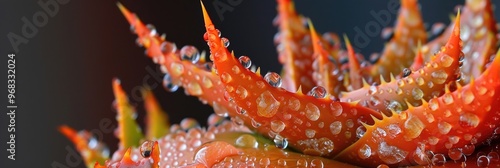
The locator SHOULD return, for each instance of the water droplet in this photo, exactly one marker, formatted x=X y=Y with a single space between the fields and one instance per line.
x=190 y=53
x=177 y=69
x=444 y=127
x=364 y=152
x=395 y=106
x=387 y=34
x=483 y=161
x=225 y=77
x=146 y=148
x=467 y=96
x=433 y=104
x=349 y=123
x=390 y=154
x=335 y=127
x=245 y=61
x=417 y=93
x=225 y=42
x=448 y=98
x=468 y=120
x=293 y=103
x=430 y=84
x=206 y=82
x=438 y=29
x=267 y=105
x=406 y=72
x=316 y=163
x=455 y=154
x=317 y=92
x=420 y=81
x=433 y=140
x=168 y=84
x=194 y=89
x=310 y=133
x=214 y=120
x=413 y=127
x=336 y=109
x=461 y=57
x=446 y=60
x=242 y=92
x=188 y=123
x=481 y=90
x=273 y=79
x=312 y=112
x=468 y=149
x=301 y=163
x=421 y=157
x=439 y=76
x=277 y=126
x=360 y=131
x=280 y=142
x=374 y=101
x=246 y=141
x=167 y=48
x=219 y=109
x=255 y=124
x=493 y=156
x=438 y=160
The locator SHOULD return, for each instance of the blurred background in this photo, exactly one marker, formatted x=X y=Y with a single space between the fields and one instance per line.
x=64 y=71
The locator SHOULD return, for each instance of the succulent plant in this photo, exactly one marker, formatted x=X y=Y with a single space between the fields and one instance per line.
x=420 y=104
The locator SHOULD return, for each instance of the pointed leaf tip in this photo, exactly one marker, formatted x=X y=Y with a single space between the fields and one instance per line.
x=128 y=15
x=314 y=36
x=206 y=17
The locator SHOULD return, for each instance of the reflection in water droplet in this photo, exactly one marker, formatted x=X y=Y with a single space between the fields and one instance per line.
x=467 y=96
x=317 y=92
x=225 y=42
x=146 y=148
x=433 y=104
x=188 y=123
x=310 y=133
x=360 y=131
x=273 y=79
x=335 y=127
x=413 y=127
x=446 y=60
x=390 y=154
x=280 y=142
x=364 y=152
x=194 y=89
x=336 y=109
x=247 y=141
x=293 y=103
x=277 y=126
x=312 y=112
x=444 y=127
x=395 y=106
x=468 y=120
x=168 y=84
x=190 y=53
x=267 y=105
x=417 y=93
x=439 y=76
x=406 y=72
x=438 y=160
x=225 y=77
x=245 y=61
x=483 y=161
x=455 y=154
x=241 y=92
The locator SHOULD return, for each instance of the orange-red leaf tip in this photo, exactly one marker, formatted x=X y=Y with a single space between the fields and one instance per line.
x=206 y=18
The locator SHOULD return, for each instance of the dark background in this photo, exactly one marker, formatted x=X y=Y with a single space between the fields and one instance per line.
x=64 y=72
